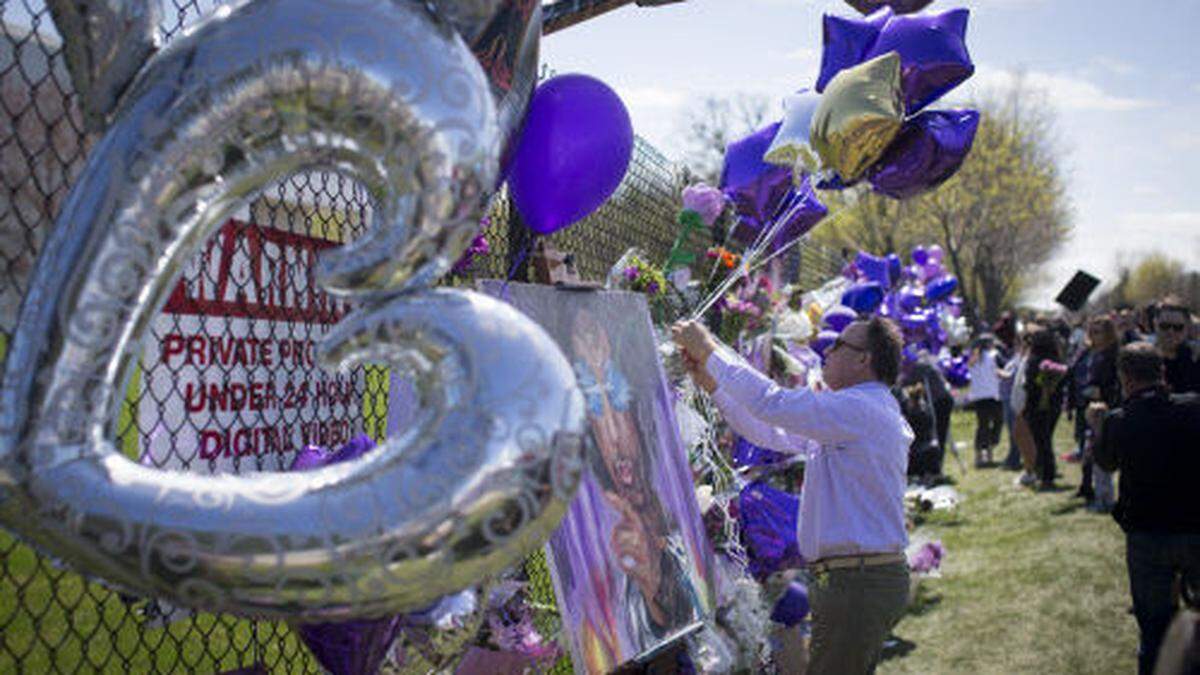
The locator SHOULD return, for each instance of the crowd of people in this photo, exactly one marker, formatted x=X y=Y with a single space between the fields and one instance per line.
x=1026 y=375
x=1128 y=381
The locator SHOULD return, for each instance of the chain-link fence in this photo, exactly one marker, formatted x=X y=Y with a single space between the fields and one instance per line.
x=201 y=400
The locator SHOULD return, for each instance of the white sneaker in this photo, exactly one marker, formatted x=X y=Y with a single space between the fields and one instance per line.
x=1026 y=479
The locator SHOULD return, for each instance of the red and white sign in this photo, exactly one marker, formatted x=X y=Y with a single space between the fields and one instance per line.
x=230 y=379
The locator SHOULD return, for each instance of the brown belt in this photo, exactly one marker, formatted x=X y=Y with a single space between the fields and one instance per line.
x=849 y=561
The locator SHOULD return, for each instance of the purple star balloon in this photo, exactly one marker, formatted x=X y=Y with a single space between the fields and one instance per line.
x=762 y=192
x=845 y=41
x=933 y=54
x=930 y=149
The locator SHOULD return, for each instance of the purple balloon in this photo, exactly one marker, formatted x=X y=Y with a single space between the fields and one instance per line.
x=863 y=298
x=930 y=149
x=936 y=254
x=823 y=341
x=919 y=255
x=910 y=298
x=940 y=288
x=838 y=317
x=895 y=268
x=956 y=371
x=792 y=606
x=933 y=54
x=913 y=324
x=845 y=41
x=746 y=453
x=763 y=192
x=768 y=518
x=351 y=647
x=873 y=267
x=931 y=270
x=574 y=151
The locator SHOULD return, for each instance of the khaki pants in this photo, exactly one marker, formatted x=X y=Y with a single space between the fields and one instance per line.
x=853 y=610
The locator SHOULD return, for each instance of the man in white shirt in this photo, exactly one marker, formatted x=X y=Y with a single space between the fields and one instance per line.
x=851 y=525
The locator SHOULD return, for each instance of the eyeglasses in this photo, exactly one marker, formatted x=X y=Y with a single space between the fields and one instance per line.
x=839 y=343
x=1178 y=327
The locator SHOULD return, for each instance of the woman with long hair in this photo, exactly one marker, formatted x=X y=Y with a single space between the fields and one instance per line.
x=1044 y=379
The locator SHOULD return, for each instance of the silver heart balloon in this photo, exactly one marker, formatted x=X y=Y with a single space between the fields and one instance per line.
x=105 y=44
x=387 y=93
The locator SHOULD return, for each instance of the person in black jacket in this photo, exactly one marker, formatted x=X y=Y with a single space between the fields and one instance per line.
x=1154 y=440
x=926 y=372
x=1045 y=380
x=1182 y=364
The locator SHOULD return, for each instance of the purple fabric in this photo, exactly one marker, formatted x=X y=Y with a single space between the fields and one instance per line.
x=930 y=149
x=846 y=40
x=746 y=453
x=933 y=54
x=792 y=606
x=768 y=517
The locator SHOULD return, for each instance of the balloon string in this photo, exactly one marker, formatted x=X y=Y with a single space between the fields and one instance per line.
x=787 y=247
x=750 y=256
x=512 y=272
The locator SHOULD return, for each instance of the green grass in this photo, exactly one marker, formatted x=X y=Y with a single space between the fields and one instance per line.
x=1031 y=583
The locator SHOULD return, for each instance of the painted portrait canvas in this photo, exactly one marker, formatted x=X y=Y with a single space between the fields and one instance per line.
x=631 y=565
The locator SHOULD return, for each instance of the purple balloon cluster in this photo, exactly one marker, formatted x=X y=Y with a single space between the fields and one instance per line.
x=920 y=297
x=932 y=144
x=763 y=193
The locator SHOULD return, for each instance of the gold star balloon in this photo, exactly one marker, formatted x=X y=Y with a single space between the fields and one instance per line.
x=859 y=116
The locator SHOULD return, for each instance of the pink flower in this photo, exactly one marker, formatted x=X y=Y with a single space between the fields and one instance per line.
x=705 y=200
x=928 y=558
x=1054 y=367
x=631 y=272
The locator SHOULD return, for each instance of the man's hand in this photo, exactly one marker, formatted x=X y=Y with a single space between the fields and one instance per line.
x=1095 y=414
x=695 y=341
x=700 y=374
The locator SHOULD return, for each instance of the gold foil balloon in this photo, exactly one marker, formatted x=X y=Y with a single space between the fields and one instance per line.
x=860 y=114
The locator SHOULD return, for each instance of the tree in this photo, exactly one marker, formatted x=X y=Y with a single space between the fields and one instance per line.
x=1150 y=279
x=998 y=219
x=713 y=123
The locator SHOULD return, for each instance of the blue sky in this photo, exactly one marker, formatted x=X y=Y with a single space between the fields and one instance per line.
x=1122 y=78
